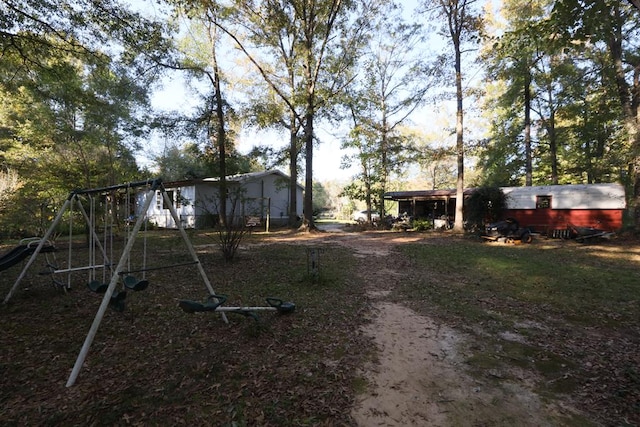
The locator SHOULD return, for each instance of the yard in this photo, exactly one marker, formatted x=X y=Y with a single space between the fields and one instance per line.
x=547 y=334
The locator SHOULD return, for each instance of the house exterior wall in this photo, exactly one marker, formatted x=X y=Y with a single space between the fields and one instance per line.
x=541 y=207
x=544 y=220
x=182 y=198
x=197 y=203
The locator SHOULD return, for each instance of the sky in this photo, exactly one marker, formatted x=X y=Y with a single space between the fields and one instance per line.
x=174 y=96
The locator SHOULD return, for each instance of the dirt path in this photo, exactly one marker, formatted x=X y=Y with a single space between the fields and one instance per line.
x=419 y=378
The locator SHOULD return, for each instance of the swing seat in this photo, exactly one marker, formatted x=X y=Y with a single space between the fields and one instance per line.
x=282 y=306
x=118 y=301
x=130 y=282
x=189 y=306
x=97 y=286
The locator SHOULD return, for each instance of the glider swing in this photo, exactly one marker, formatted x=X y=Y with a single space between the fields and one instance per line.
x=214 y=303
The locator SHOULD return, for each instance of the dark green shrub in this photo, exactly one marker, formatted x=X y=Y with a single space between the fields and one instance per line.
x=485 y=205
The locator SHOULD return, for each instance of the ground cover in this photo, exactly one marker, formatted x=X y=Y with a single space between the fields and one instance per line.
x=565 y=316
x=396 y=329
x=155 y=365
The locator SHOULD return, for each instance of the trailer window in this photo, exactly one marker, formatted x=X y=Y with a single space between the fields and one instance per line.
x=543 y=202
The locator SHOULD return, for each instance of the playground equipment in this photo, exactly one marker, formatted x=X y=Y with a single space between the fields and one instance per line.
x=122 y=270
x=214 y=303
x=22 y=251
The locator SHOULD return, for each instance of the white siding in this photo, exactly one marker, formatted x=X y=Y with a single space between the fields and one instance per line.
x=577 y=196
x=255 y=194
x=161 y=217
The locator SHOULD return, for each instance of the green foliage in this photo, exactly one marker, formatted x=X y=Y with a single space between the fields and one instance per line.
x=485 y=205
x=577 y=101
x=422 y=224
x=73 y=100
x=321 y=198
x=396 y=80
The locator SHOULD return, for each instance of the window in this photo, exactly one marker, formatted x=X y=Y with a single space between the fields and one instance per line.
x=158 y=200
x=170 y=195
x=543 y=202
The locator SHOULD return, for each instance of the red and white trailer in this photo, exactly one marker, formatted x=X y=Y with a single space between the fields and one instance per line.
x=559 y=207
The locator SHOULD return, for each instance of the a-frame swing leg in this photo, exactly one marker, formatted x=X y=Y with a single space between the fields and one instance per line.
x=120 y=267
x=109 y=292
x=192 y=251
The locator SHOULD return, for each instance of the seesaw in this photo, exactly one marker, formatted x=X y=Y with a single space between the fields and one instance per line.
x=214 y=303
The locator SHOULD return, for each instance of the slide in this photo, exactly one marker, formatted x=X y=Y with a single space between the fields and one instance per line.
x=21 y=252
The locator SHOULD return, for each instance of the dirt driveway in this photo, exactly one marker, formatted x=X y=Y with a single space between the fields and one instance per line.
x=419 y=378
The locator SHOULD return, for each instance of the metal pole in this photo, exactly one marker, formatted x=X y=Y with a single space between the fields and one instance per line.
x=107 y=295
x=190 y=247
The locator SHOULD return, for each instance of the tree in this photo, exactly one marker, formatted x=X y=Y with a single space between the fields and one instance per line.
x=512 y=58
x=178 y=163
x=72 y=121
x=314 y=44
x=461 y=27
x=614 y=25
x=395 y=81
x=574 y=125
x=35 y=31
x=439 y=166
x=269 y=38
x=74 y=81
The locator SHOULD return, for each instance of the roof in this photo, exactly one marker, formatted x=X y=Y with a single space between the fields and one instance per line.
x=570 y=196
x=424 y=194
x=239 y=178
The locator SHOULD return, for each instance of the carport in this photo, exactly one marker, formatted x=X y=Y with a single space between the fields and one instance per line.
x=426 y=204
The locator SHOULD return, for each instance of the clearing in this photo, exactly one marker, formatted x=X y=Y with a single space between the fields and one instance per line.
x=399 y=329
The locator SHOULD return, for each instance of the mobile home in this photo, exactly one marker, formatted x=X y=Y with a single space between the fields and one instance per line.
x=260 y=195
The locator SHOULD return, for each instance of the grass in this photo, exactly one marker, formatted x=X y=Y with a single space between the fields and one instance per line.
x=567 y=313
x=571 y=283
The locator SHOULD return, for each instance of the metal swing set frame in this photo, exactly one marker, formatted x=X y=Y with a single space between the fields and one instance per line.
x=151 y=186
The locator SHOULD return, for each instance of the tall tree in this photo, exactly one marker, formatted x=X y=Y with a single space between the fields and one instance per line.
x=394 y=83
x=461 y=27
x=314 y=42
x=269 y=37
x=574 y=130
x=512 y=57
x=612 y=24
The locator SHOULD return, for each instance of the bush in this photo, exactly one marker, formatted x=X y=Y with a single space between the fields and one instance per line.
x=485 y=205
x=422 y=224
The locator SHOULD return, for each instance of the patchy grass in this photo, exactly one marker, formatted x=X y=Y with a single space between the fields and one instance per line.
x=154 y=364
x=565 y=317
x=568 y=314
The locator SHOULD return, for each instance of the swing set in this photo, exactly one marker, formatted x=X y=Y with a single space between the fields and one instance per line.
x=101 y=251
x=101 y=255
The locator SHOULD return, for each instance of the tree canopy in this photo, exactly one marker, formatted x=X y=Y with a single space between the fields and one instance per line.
x=553 y=92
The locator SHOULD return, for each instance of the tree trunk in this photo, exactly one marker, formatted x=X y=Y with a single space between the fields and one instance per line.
x=553 y=146
x=528 y=163
x=220 y=134
x=459 y=220
x=308 y=223
x=293 y=172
